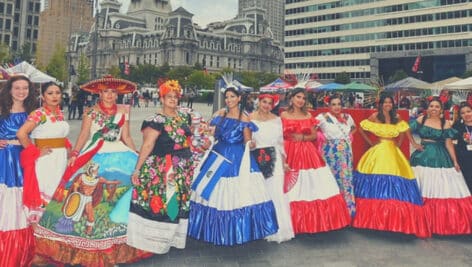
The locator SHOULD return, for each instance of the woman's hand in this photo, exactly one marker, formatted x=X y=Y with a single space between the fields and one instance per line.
x=45 y=151
x=71 y=161
x=457 y=167
x=298 y=137
x=286 y=167
x=135 y=178
x=418 y=146
x=3 y=143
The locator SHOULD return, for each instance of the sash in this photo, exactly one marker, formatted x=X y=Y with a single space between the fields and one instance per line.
x=210 y=173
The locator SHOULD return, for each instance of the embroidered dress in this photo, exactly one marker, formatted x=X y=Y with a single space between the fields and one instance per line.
x=337 y=152
x=16 y=237
x=316 y=202
x=160 y=203
x=84 y=224
x=464 y=156
x=387 y=193
x=447 y=200
x=269 y=137
x=229 y=203
x=49 y=126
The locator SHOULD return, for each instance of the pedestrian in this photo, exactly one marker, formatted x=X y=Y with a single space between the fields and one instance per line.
x=86 y=222
x=337 y=128
x=464 y=141
x=270 y=156
x=316 y=202
x=387 y=193
x=81 y=98
x=229 y=203
x=44 y=137
x=162 y=178
x=73 y=106
x=17 y=100
x=147 y=98
x=191 y=98
x=447 y=199
x=136 y=99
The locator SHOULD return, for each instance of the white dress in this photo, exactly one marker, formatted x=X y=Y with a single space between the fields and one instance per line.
x=270 y=134
x=49 y=167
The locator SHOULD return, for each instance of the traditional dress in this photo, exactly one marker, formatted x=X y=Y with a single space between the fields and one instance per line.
x=447 y=200
x=229 y=203
x=387 y=194
x=83 y=225
x=51 y=132
x=270 y=154
x=160 y=203
x=316 y=202
x=337 y=152
x=16 y=237
x=464 y=155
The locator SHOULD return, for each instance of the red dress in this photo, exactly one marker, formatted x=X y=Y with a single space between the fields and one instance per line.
x=315 y=199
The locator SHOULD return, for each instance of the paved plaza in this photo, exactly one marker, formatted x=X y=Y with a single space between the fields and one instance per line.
x=343 y=248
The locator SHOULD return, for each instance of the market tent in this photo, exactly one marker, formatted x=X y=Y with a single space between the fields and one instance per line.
x=312 y=85
x=276 y=86
x=35 y=75
x=329 y=87
x=440 y=84
x=460 y=85
x=408 y=84
x=357 y=87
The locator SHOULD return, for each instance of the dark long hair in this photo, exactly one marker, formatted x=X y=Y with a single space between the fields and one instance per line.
x=6 y=99
x=292 y=94
x=242 y=102
x=443 y=120
x=462 y=105
x=392 y=113
x=45 y=87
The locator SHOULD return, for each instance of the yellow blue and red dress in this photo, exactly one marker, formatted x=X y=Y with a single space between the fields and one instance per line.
x=387 y=193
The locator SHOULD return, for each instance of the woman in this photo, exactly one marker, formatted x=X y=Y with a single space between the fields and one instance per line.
x=229 y=203
x=315 y=199
x=44 y=138
x=160 y=204
x=16 y=237
x=464 y=141
x=447 y=199
x=387 y=195
x=85 y=223
x=270 y=156
x=337 y=128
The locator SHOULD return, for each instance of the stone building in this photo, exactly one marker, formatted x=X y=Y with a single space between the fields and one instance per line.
x=152 y=33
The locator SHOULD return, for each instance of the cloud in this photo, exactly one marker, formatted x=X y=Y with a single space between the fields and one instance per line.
x=205 y=11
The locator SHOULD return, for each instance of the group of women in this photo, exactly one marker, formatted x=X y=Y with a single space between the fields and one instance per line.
x=241 y=178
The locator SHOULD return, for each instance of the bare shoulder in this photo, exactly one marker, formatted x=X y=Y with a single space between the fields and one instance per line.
x=245 y=117
x=284 y=114
x=373 y=117
x=447 y=124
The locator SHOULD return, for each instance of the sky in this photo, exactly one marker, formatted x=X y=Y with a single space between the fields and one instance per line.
x=205 y=11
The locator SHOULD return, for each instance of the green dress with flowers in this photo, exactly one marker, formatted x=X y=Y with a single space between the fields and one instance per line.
x=159 y=209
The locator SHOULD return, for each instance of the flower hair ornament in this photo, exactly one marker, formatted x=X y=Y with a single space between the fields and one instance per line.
x=228 y=79
x=170 y=86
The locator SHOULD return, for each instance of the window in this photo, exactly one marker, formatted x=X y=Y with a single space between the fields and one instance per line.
x=9 y=9
x=8 y=24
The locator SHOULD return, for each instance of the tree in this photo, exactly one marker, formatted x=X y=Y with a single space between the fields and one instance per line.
x=342 y=78
x=397 y=76
x=4 y=53
x=201 y=80
x=181 y=74
x=83 y=70
x=57 y=66
x=467 y=74
x=25 y=54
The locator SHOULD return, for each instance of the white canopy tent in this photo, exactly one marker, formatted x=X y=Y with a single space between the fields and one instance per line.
x=460 y=85
x=35 y=75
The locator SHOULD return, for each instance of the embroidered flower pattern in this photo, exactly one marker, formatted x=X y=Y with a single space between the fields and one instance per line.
x=265 y=158
x=41 y=115
x=110 y=131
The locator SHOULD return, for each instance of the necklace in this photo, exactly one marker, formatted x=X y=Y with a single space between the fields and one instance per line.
x=56 y=115
x=108 y=111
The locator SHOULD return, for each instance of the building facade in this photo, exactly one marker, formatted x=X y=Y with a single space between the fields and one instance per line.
x=151 y=32
x=372 y=39
x=19 y=20
x=275 y=14
x=57 y=22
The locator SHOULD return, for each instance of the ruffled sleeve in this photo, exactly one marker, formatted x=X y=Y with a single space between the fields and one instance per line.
x=414 y=125
x=37 y=116
x=253 y=127
x=314 y=122
x=402 y=126
x=156 y=122
x=384 y=130
x=450 y=133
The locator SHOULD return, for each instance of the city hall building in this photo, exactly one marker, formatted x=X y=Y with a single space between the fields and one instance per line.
x=152 y=33
x=371 y=39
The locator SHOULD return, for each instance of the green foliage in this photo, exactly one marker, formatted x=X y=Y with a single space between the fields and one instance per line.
x=257 y=79
x=83 y=70
x=397 y=76
x=4 y=53
x=25 y=53
x=342 y=78
x=57 y=66
x=200 y=80
x=181 y=74
x=467 y=74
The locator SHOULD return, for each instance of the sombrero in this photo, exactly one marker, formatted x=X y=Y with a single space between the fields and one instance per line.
x=120 y=85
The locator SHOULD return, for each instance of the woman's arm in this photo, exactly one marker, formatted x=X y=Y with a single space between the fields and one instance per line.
x=248 y=133
x=450 y=149
x=126 y=136
x=82 y=138
x=25 y=141
x=149 y=140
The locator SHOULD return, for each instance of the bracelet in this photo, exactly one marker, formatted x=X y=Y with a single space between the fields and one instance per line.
x=74 y=153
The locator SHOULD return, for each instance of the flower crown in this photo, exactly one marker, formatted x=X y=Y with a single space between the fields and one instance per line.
x=170 y=86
